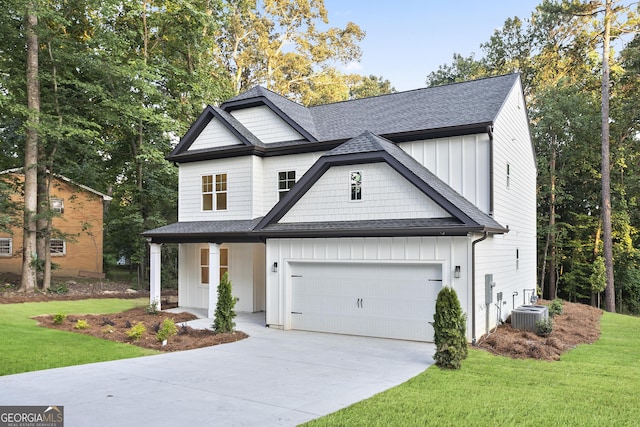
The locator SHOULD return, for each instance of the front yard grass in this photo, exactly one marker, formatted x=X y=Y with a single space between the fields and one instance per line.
x=27 y=347
x=591 y=385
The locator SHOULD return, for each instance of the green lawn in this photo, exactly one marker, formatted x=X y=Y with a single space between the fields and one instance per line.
x=26 y=347
x=592 y=385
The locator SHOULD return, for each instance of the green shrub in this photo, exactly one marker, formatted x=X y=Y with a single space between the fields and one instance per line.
x=167 y=330
x=223 y=323
x=136 y=331
x=556 y=307
x=81 y=324
x=544 y=327
x=152 y=308
x=59 y=318
x=449 y=325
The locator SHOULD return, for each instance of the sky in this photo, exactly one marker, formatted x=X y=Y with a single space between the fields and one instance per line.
x=408 y=39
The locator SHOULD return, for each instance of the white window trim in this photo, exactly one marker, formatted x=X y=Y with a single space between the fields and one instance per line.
x=10 y=240
x=350 y=184
x=214 y=192
x=60 y=209
x=283 y=192
x=64 y=248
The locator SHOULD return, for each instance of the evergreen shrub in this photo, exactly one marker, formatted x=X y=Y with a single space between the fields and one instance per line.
x=223 y=322
x=449 y=325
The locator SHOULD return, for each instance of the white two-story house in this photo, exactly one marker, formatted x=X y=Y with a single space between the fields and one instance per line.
x=350 y=217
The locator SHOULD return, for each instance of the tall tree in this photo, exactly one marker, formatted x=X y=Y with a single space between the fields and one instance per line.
x=29 y=254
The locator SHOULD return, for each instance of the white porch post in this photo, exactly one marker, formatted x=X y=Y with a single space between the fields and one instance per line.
x=154 y=274
x=214 y=278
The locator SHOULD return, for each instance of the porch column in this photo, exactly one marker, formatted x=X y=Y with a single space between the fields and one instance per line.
x=214 y=278
x=154 y=274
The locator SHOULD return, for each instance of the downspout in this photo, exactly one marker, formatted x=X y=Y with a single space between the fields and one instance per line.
x=473 y=286
x=490 y=133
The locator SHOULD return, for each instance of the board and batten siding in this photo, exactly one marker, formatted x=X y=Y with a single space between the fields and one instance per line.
x=515 y=208
x=266 y=125
x=240 y=192
x=385 y=195
x=214 y=135
x=446 y=251
x=463 y=162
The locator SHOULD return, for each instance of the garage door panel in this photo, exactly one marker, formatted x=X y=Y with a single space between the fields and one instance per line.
x=381 y=300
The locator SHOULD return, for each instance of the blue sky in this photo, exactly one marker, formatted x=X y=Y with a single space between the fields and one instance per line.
x=408 y=39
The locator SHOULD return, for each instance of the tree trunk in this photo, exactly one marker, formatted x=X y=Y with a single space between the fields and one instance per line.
x=610 y=302
x=552 y=225
x=29 y=253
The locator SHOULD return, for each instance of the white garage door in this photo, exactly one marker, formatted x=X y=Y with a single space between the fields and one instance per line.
x=371 y=299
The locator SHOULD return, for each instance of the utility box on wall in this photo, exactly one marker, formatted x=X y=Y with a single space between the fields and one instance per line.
x=488 y=289
x=526 y=316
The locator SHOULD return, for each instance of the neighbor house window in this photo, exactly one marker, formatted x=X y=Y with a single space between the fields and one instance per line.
x=57 y=247
x=356 y=185
x=214 y=193
x=204 y=264
x=57 y=205
x=285 y=182
x=6 y=246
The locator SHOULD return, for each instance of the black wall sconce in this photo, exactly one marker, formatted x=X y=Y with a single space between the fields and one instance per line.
x=456 y=272
x=274 y=267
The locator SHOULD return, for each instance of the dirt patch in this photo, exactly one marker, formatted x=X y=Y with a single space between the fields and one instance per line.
x=114 y=327
x=578 y=324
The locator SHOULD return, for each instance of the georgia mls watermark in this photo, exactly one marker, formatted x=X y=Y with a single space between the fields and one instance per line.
x=31 y=416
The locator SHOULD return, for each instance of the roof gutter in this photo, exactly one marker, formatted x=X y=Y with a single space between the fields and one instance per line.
x=473 y=286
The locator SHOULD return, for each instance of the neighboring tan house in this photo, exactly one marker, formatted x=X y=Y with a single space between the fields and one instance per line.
x=76 y=246
x=350 y=217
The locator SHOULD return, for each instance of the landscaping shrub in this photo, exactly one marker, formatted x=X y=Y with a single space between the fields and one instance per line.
x=555 y=307
x=81 y=324
x=136 y=331
x=59 y=318
x=544 y=327
x=223 y=322
x=449 y=325
x=167 y=330
x=152 y=308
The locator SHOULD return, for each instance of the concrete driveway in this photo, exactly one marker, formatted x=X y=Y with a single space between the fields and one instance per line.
x=273 y=378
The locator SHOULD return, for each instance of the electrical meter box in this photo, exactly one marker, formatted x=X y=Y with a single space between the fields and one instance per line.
x=488 y=288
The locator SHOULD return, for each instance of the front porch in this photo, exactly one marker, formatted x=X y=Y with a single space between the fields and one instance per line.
x=200 y=268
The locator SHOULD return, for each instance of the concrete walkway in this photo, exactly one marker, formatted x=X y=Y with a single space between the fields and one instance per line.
x=273 y=378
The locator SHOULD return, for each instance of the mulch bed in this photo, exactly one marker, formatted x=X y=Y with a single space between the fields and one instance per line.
x=578 y=324
x=114 y=327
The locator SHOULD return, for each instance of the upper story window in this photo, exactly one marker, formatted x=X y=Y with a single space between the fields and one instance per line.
x=286 y=180
x=58 y=247
x=57 y=205
x=356 y=185
x=6 y=246
x=214 y=192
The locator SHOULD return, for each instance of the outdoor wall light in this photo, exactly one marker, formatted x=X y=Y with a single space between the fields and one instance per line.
x=456 y=272
x=274 y=267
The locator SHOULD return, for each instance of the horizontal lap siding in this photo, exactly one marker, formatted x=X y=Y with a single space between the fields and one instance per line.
x=515 y=207
x=385 y=195
x=239 y=189
x=215 y=134
x=266 y=125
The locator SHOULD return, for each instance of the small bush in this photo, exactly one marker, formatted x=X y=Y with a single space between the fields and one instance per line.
x=152 y=308
x=167 y=330
x=59 y=318
x=81 y=324
x=556 y=307
x=544 y=327
x=60 y=289
x=106 y=321
x=449 y=325
x=223 y=322
x=136 y=331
